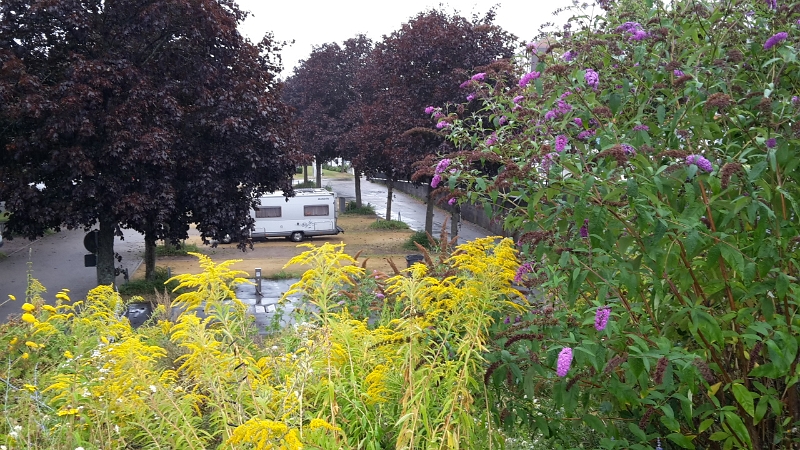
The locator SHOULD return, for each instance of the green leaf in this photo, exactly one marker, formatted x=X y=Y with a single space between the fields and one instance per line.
x=737 y=426
x=660 y=114
x=633 y=188
x=732 y=256
x=637 y=431
x=761 y=410
x=719 y=436
x=614 y=101
x=681 y=440
x=705 y=323
x=781 y=285
x=767 y=307
x=595 y=423
x=745 y=398
x=705 y=425
x=767 y=370
x=671 y=423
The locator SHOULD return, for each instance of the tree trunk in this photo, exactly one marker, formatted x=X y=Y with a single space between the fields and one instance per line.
x=389 y=186
x=455 y=221
x=105 y=252
x=429 y=210
x=305 y=173
x=357 y=174
x=319 y=172
x=149 y=255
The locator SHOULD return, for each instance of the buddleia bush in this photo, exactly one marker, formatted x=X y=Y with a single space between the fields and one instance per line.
x=647 y=165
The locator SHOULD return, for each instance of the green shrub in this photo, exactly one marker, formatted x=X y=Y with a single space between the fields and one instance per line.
x=145 y=287
x=171 y=250
x=363 y=210
x=306 y=184
x=343 y=168
x=421 y=238
x=382 y=224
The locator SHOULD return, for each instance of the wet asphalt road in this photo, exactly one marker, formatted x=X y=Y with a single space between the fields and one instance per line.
x=57 y=260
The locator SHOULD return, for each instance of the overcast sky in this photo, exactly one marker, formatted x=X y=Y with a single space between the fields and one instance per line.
x=314 y=22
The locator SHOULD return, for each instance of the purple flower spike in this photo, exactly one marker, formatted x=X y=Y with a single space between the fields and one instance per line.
x=700 y=162
x=518 y=99
x=677 y=73
x=601 y=318
x=592 y=78
x=641 y=128
x=523 y=269
x=578 y=121
x=772 y=4
x=561 y=143
x=479 y=76
x=771 y=143
x=430 y=110
x=568 y=56
x=379 y=295
x=527 y=78
x=452 y=201
x=775 y=39
x=442 y=166
x=584 y=231
x=443 y=124
x=564 y=361
x=435 y=181
x=470 y=97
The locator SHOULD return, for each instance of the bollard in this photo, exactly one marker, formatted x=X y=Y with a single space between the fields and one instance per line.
x=258 y=285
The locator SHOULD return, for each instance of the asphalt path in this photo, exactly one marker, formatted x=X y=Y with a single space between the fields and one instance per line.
x=405 y=208
x=56 y=260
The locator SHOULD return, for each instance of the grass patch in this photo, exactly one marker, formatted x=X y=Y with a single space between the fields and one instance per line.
x=363 y=210
x=145 y=288
x=382 y=224
x=3 y=256
x=283 y=275
x=422 y=239
x=171 y=250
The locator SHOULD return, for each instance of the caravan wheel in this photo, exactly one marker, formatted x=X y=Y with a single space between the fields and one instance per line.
x=297 y=236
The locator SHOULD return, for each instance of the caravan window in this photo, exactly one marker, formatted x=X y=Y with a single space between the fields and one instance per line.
x=264 y=212
x=316 y=210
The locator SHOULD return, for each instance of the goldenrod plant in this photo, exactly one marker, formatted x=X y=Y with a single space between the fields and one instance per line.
x=76 y=374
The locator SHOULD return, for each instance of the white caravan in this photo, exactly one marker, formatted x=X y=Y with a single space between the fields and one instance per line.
x=311 y=212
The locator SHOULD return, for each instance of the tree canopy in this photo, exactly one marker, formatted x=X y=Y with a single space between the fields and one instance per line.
x=423 y=63
x=321 y=90
x=147 y=115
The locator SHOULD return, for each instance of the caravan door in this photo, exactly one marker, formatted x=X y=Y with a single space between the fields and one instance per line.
x=319 y=215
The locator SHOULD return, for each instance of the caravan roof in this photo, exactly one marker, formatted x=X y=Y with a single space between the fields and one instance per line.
x=301 y=192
